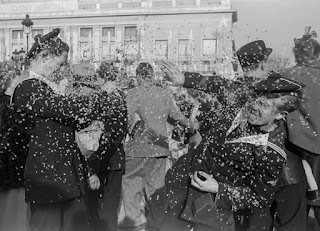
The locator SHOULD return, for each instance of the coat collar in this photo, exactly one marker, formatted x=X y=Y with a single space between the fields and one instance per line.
x=257 y=140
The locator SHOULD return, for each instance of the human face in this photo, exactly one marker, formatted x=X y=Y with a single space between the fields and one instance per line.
x=54 y=63
x=263 y=111
x=62 y=58
x=258 y=71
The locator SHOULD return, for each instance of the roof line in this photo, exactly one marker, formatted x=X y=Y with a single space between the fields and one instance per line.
x=107 y=14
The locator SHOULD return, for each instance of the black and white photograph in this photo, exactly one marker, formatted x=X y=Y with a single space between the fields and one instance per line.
x=159 y=115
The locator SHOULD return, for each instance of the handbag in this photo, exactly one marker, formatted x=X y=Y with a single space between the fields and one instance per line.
x=88 y=139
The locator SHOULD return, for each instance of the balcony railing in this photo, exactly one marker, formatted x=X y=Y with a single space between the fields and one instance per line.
x=9 y=8
x=156 y=4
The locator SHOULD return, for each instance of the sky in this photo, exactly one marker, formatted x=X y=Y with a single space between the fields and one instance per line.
x=277 y=22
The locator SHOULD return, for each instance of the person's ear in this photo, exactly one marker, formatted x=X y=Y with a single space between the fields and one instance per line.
x=281 y=115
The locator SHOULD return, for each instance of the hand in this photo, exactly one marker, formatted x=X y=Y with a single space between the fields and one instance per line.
x=157 y=139
x=195 y=125
x=94 y=182
x=109 y=86
x=195 y=139
x=172 y=71
x=208 y=185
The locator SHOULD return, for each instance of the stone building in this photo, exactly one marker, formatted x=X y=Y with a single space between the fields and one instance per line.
x=192 y=33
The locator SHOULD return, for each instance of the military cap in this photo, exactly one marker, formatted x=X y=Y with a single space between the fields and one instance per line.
x=56 y=46
x=277 y=84
x=253 y=53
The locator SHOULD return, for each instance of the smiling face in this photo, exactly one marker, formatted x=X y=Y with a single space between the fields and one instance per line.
x=264 y=111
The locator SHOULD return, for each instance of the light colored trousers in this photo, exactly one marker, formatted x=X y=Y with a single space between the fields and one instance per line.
x=15 y=213
x=142 y=175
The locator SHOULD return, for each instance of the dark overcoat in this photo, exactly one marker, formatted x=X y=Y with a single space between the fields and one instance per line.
x=304 y=125
x=247 y=172
x=53 y=170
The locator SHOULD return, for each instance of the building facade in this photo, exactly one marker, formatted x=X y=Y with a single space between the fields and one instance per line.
x=192 y=33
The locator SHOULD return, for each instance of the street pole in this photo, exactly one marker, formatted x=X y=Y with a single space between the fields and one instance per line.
x=27 y=28
x=27 y=42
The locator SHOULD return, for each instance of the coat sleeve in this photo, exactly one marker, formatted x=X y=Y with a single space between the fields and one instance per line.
x=260 y=186
x=175 y=113
x=208 y=84
x=37 y=98
x=132 y=108
x=304 y=124
x=227 y=92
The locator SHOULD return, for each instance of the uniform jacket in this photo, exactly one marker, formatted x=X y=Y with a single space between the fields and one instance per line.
x=110 y=155
x=154 y=105
x=118 y=127
x=247 y=171
x=53 y=170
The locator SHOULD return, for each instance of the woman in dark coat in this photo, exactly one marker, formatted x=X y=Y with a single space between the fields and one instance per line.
x=307 y=134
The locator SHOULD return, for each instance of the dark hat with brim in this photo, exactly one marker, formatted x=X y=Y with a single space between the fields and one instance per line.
x=276 y=85
x=253 y=53
x=56 y=46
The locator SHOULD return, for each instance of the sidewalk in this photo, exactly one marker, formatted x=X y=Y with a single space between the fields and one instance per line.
x=312 y=226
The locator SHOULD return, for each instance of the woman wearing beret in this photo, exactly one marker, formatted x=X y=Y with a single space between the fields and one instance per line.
x=304 y=134
x=55 y=176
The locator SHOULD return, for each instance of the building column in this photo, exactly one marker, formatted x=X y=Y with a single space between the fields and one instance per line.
x=2 y=45
x=173 y=49
x=7 y=45
x=119 y=36
x=74 y=44
x=96 y=43
x=67 y=37
x=141 y=41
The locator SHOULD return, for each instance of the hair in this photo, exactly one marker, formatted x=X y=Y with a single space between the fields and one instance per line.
x=306 y=50
x=144 y=70
x=53 y=47
x=289 y=103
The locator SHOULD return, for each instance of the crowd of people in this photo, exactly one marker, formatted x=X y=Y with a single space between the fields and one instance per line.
x=196 y=152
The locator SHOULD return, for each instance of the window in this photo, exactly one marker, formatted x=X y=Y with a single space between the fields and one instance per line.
x=131 y=31
x=161 y=49
x=17 y=40
x=86 y=43
x=184 y=47
x=131 y=43
x=86 y=33
x=108 y=32
x=209 y=49
x=17 y=34
x=108 y=43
